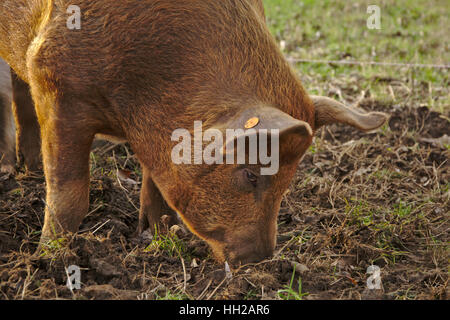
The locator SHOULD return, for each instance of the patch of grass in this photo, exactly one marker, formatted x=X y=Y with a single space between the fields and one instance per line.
x=251 y=295
x=402 y=209
x=383 y=223
x=172 y=296
x=169 y=243
x=289 y=293
x=52 y=247
x=411 y=32
x=360 y=212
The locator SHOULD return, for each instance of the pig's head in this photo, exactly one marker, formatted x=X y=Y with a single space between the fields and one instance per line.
x=234 y=206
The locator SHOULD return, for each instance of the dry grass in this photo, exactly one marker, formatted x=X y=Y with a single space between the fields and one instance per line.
x=357 y=200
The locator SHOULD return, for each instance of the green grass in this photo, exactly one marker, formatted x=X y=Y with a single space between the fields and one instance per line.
x=402 y=209
x=360 y=212
x=411 y=32
x=52 y=247
x=386 y=223
x=251 y=295
x=289 y=293
x=173 y=296
x=169 y=243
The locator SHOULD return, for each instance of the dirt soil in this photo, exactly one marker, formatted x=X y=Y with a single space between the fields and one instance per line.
x=357 y=200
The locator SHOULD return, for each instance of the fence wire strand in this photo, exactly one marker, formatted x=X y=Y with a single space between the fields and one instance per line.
x=373 y=63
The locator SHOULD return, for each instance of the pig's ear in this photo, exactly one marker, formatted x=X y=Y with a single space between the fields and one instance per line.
x=329 y=111
x=252 y=120
x=270 y=119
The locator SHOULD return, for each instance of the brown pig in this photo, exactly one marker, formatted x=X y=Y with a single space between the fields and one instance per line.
x=139 y=70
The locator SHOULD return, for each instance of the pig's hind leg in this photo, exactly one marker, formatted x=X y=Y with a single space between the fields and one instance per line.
x=28 y=141
x=7 y=137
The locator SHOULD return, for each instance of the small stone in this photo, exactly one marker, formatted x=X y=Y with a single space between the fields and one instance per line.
x=194 y=263
x=298 y=267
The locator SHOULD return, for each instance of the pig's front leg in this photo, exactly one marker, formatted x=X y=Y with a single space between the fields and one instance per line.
x=153 y=207
x=66 y=143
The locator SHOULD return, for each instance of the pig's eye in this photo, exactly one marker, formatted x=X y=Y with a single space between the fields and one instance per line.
x=251 y=177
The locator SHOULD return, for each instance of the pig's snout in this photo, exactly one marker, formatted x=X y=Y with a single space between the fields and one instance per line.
x=251 y=257
x=251 y=251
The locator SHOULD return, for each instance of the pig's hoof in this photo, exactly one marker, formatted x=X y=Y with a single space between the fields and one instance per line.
x=146 y=235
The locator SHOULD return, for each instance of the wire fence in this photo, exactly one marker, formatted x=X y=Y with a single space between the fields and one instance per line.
x=372 y=63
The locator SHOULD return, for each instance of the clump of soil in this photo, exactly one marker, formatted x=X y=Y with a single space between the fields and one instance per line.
x=357 y=200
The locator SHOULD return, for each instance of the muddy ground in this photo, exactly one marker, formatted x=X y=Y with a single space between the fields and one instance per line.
x=357 y=200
